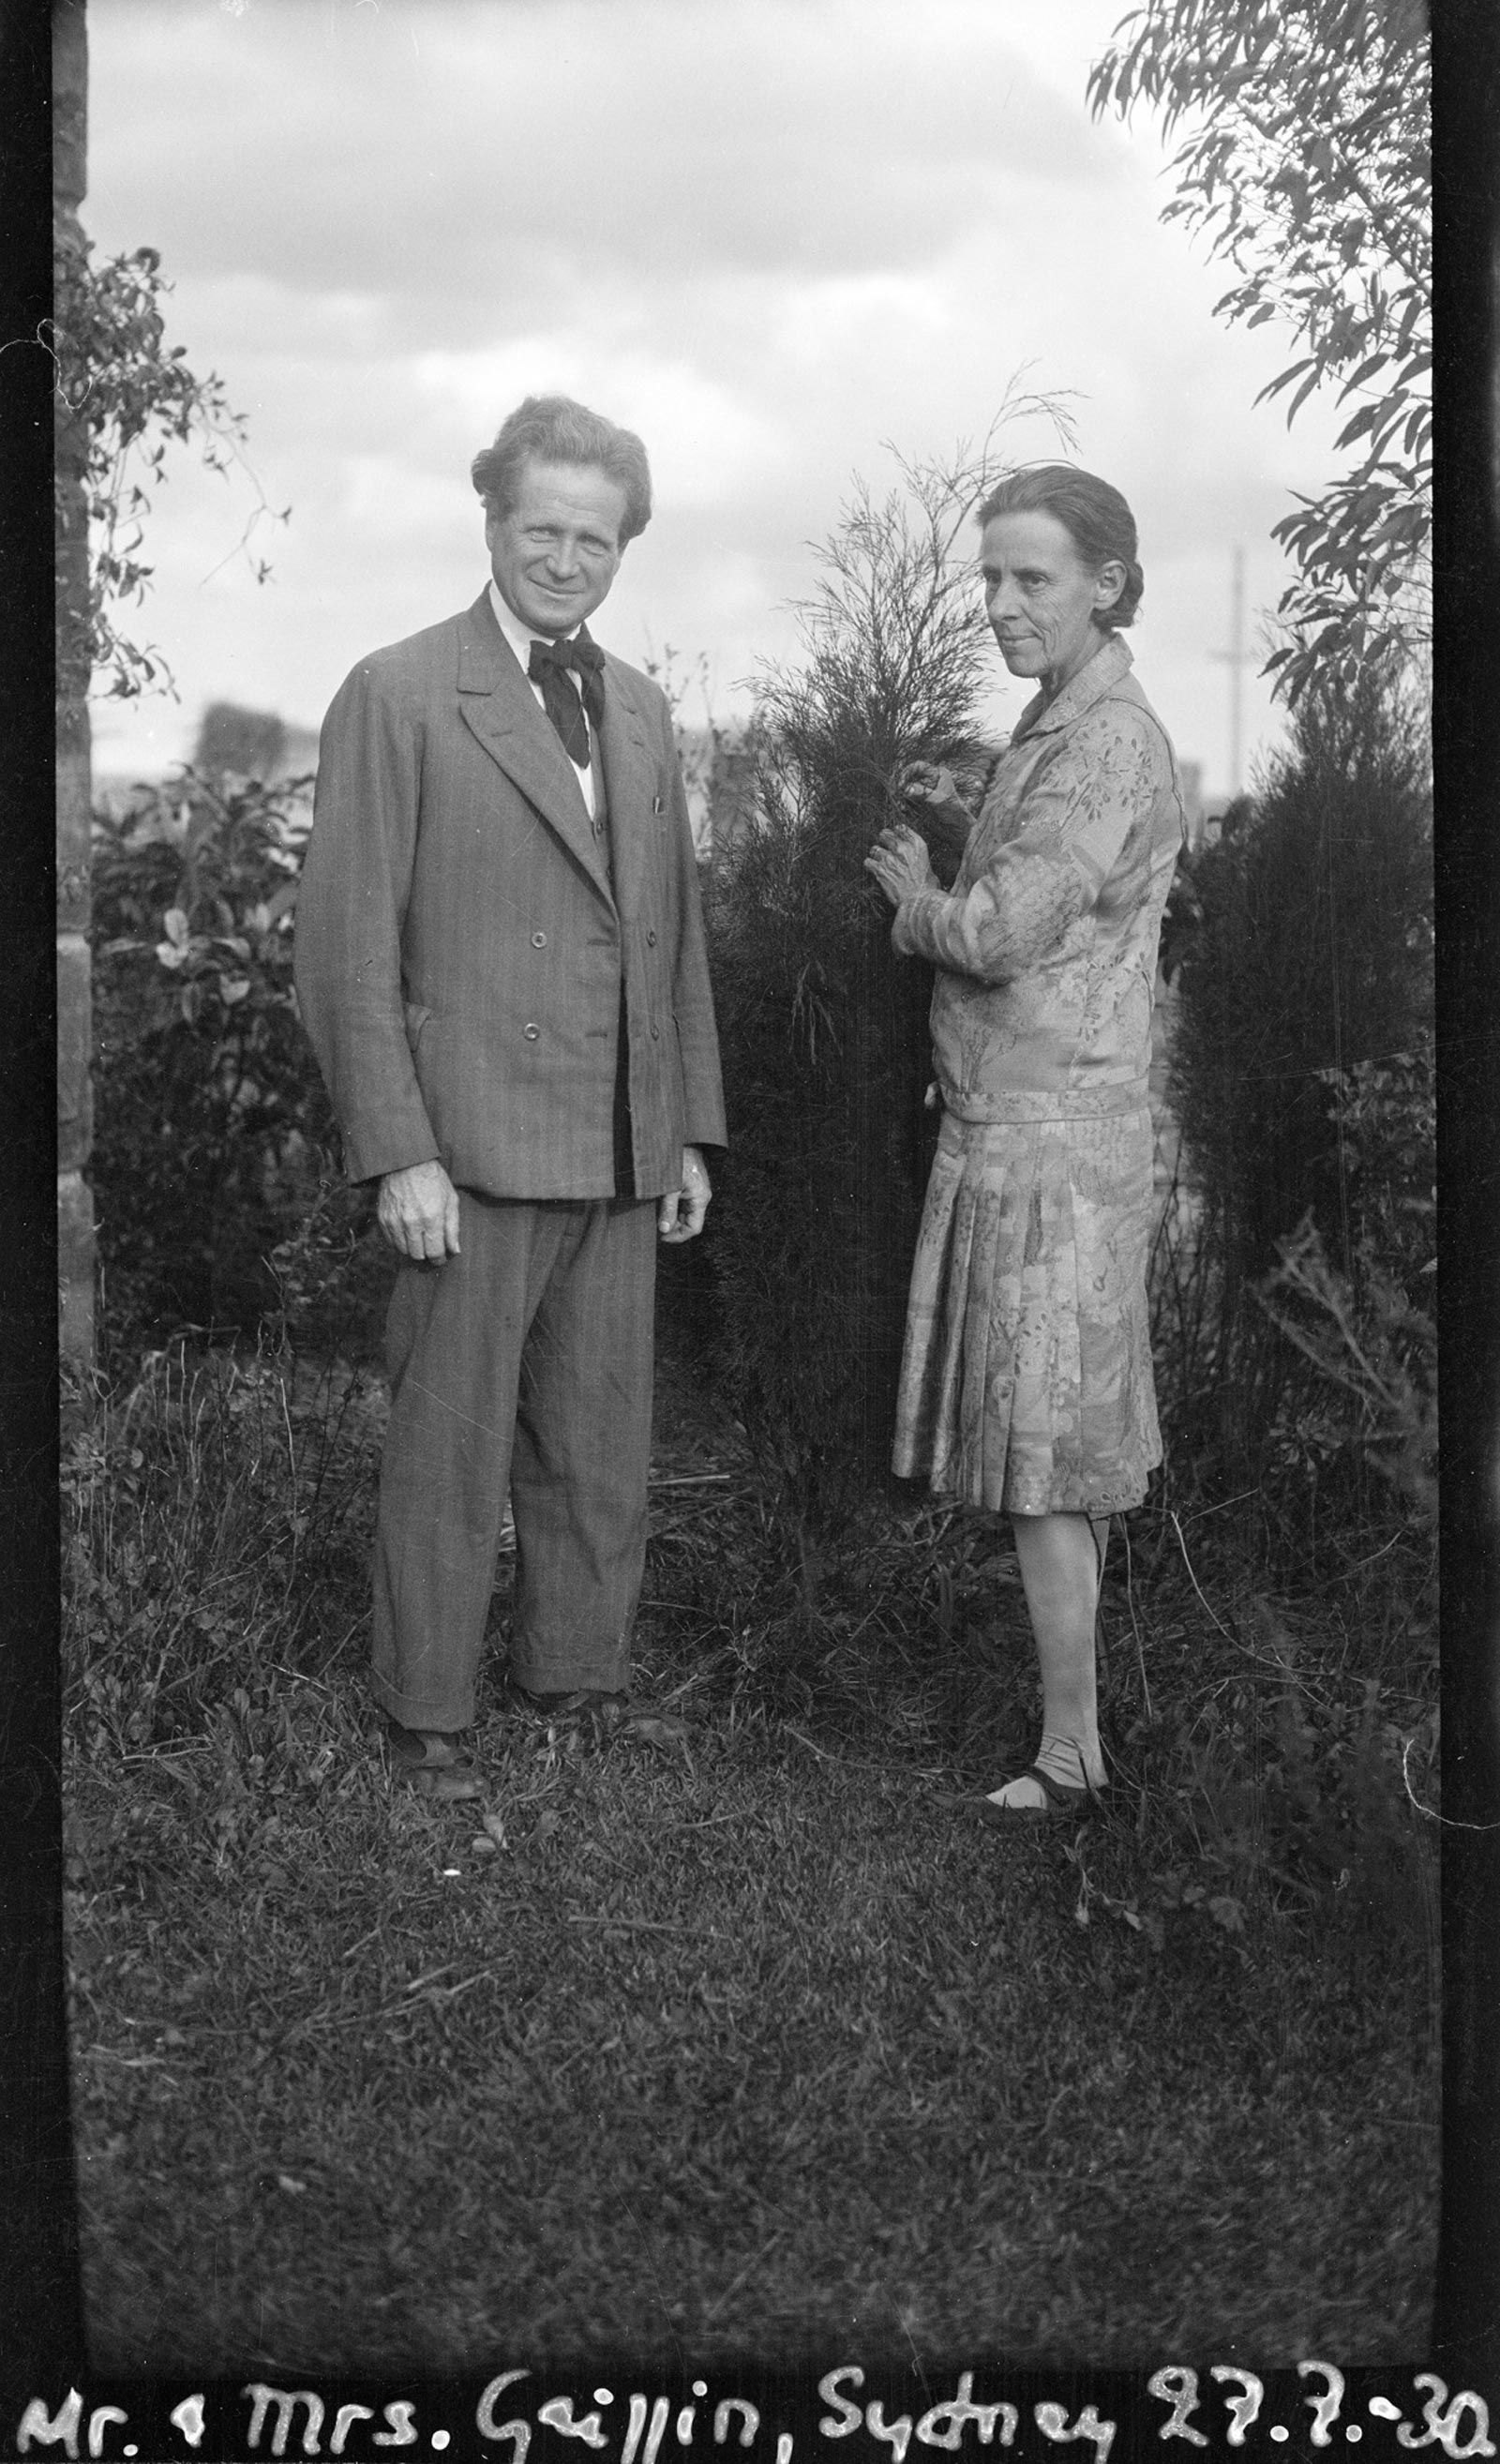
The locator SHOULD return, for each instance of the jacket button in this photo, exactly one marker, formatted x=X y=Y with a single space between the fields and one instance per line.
x=655 y=1034
x=539 y=940
x=651 y=940
x=531 y=1030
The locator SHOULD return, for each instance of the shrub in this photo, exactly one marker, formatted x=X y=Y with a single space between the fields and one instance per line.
x=1370 y=1335
x=824 y=1031
x=212 y=1125
x=127 y=397
x=1301 y=1078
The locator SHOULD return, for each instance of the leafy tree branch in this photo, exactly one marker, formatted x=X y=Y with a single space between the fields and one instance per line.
x=1307 y=164
x=125 y=397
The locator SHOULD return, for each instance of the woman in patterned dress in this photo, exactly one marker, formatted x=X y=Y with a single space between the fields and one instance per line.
x=1026 y=1385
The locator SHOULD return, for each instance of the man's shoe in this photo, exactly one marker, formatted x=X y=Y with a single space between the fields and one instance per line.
x=604 y=1715
x=434 y=1764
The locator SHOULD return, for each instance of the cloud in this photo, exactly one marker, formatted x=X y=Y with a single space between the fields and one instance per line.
x=478 y=152
x=770 y=234
x=703 y=438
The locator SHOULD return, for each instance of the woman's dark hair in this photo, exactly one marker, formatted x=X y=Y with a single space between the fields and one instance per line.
x=550 y=428
x=1095 y=516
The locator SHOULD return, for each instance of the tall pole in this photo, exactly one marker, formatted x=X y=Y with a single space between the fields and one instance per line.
x=1236 y=670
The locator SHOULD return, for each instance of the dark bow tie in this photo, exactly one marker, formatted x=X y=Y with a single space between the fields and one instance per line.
x=549 y=666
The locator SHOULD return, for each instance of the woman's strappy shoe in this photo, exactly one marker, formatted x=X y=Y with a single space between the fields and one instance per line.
x=1060 y=1803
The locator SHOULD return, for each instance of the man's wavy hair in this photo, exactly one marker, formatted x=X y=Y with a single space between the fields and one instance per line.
x=551 y=427
x=1095 y=516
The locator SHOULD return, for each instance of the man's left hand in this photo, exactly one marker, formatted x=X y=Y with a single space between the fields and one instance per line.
x=682 y=1212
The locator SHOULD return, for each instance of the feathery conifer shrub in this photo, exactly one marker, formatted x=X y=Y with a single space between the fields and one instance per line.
x=823 y=1028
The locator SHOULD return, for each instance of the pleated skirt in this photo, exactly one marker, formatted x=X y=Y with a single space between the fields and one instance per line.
x=1026 y=1380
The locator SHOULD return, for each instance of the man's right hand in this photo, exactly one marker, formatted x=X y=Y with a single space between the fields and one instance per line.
x=418 y=1212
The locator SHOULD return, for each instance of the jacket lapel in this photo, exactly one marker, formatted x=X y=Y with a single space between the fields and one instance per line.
x=630 y=774
x=500 y=709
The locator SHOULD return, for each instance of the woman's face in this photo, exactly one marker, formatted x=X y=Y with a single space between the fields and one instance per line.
x=1041 y=597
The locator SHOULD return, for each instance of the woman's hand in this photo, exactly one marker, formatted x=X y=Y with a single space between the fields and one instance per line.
x=928 y=782
x=901 y=864
x=948 y=818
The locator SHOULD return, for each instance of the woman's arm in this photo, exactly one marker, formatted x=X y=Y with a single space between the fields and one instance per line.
x=1075 y=816
x=1007 y=922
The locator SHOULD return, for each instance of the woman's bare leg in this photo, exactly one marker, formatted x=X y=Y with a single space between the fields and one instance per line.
x=1062 y=1564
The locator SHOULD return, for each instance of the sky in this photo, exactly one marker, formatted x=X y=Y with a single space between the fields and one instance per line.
x=784 y=240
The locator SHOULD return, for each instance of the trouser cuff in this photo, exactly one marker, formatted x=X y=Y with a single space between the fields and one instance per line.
x=428 y=1711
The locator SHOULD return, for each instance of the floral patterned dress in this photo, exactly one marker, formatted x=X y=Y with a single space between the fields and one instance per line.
x=1026 y=1384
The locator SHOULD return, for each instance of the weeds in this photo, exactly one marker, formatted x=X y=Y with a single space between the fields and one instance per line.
x=208 y=1514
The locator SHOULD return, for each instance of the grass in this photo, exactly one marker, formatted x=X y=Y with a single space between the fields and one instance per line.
x=752 y=2049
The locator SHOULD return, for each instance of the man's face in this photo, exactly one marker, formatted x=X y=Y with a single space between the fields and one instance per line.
x=556 y=551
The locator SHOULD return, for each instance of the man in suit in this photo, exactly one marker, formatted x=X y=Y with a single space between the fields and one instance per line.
x=500 y=965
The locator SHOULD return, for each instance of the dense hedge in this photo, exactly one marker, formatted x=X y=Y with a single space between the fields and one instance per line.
x=1301 y=1077
x=1313 y=952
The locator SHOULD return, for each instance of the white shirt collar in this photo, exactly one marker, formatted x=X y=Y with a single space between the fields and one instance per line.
x=519 y=636
x=520 y=639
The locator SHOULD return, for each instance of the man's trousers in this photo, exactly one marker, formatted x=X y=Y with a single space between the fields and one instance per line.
x=523 y=1363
